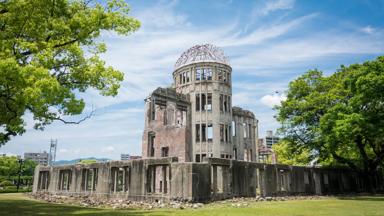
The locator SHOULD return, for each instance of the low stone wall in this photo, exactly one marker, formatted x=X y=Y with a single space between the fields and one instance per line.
x=214 y=179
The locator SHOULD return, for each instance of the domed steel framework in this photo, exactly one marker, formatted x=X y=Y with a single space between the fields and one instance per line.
x=202 y=53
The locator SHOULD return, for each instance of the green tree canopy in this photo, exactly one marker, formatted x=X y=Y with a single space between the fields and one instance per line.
x=9 y=166
x=338 y=118
x=87 y=161
x=48 y=52
x=288 y=154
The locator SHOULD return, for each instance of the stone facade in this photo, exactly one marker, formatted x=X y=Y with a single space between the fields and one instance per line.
x=195 y=119
x=167 y=132
x=212 y=179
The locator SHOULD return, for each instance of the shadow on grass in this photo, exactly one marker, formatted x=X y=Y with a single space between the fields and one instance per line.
x=364 y=198
x=30 y=207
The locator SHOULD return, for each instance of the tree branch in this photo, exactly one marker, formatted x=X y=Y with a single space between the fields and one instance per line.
x=299 y=137
x=4 y=10
x=73 y=122
x=345 y=161
x=5 y=137
x=55 y=46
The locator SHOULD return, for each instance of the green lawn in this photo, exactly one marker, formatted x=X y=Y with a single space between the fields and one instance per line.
x=19 y=204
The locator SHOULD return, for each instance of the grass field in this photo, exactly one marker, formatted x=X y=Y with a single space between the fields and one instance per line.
x=19 y=204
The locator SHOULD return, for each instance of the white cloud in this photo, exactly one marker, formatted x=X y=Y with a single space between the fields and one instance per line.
x=162 y=15
x=273 y=100
x=263 y=33
x=108 y=149
x=279 y=56
x=264 y=8
x=368 y=29
x=63 y=150
x=274 y=5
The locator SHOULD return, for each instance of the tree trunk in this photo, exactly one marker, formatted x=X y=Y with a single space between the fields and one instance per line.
x=369 y=179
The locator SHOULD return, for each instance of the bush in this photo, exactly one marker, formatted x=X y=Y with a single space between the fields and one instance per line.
x=13 y=189
x=6 y=183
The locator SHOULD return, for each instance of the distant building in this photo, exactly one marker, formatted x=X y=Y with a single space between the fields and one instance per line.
x=270 y=139
x=260 y=142
x=39 y=158
x=266 y=154
x=129 y=157
x=125 y=157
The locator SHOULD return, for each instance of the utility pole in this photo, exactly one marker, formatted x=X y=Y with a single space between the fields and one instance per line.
x=20 y=166
x=52 y=152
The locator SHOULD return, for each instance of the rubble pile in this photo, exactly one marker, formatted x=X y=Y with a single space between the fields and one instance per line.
x=115 y=203
x=120 y=203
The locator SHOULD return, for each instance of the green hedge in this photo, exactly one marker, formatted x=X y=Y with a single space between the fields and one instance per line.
x=15 y=178
x=13 y=189
x=6 y=183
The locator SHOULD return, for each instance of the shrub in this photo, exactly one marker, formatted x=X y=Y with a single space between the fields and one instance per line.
x=6 y=183
x=11 y=188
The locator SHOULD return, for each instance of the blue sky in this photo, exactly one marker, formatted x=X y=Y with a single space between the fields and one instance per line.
x=269 y=43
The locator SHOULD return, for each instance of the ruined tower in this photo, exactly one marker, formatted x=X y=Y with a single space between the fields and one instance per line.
x=196 y=119
x=203 y=73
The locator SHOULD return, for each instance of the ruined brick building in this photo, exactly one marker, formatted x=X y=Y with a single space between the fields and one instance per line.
x=194 y=118
x=196 y=146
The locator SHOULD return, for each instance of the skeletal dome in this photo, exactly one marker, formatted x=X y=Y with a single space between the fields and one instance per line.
x=202 y=53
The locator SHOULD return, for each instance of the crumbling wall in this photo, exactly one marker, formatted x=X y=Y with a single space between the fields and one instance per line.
x=213 y=179
x=167 y=120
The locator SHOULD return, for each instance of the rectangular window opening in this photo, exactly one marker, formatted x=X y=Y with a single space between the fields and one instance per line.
x=203 y=133
x=188 y=76
x=153 y=110
x=207 y=74
x=198 y=74
x=118 y=175
x=210 y=132
x=220 y=75
x=203 y=102
x=249 y=130
x=209 y=102
x=229 y=103
x=203 y=156
x=245 y=130
x=151 y=144
x=221 y=102
x=164 y=151
x=197 y=132
x=197 y=158
x=197 y=102
x=221 y=132
x=233 y=128
x=65 y=179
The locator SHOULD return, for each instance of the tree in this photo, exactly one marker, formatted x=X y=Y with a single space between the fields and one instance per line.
x=9 y=166
x=339 y=118
x=287 y=154
x=49 y=52
x=87 y=161
x=28 y=168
